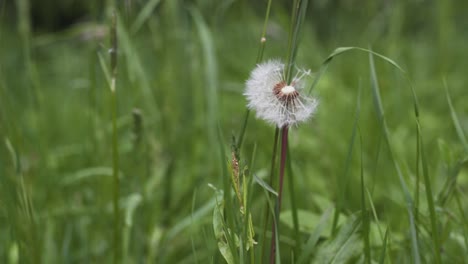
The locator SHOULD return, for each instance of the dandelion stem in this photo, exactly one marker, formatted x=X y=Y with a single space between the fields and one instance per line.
x=284 y=151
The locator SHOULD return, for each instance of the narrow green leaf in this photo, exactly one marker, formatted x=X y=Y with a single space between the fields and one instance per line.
x=409 y=201
x=258 y=60
x=430 y=202
x=87 y=173
x=210 y=70
x=265 y=185
x=374 y=214
x=219 y=229
x=105 y=70
x=341 y=50
x=187 y=221
x=455 y=120
x=364 y=211
x=343 y=181
x=144 y=14
x=293 y=200
x=384 y=248
x=345 y=246
x=314 y=236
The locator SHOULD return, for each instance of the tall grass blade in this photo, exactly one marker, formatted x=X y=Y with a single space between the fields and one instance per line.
x=274 y=156
x=384 y=248
x=228 y=218
x=463 y=217
x=343 y=181
x=314 y=237
x=299 y=13
x=342 y=50
x=258 y=60
x=210 y=70
x=274 y=249
x=455 y=120
x=195 y=217
x=293 y=199
x=115 y=151
x=374 y=213
x=130 y=205
x=265 y=185
x=345 y=245
x=144 y=15
x=430 y=202
x=136 y=70
x=364 y=211
x=409 y=201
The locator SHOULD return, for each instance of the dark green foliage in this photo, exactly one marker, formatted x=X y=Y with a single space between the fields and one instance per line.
x=388 y=195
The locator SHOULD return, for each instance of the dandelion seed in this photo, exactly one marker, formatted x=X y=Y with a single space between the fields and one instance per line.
x=276 y=101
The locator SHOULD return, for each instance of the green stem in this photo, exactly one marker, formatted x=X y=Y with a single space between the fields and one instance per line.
x=272 y=175
x=284 y=151
x=259 y=58
x=430 y=201
x=115 y=168
x=297 y=236
x=115 y=151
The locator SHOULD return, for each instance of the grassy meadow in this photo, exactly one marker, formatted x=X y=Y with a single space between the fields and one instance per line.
x=125 y=137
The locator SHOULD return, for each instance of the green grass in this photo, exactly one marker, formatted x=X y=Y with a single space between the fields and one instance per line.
x=387 y=148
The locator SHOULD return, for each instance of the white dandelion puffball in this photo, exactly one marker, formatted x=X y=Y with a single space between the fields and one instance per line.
x=276 y=101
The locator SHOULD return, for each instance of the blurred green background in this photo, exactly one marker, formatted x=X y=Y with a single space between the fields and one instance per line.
x=181 y=72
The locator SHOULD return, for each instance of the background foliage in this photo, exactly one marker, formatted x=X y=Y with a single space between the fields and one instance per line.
x=181 y=72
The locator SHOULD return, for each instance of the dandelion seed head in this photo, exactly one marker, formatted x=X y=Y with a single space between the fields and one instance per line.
x=276 y=101
x=288 y=89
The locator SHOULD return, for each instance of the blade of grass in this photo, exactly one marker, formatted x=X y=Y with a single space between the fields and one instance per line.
x=364 y=211
x=384 y=248
x=407 y=196
x=115 y=152
x=131 y=204
x=258 y=60
x=342 y=50
x=136 y=70
x=345 y=244
x=271 y=177
x=297 y=235
x=455 y=120
x=271 y=208
x=264 y=31
x=230 y=221
x=274 y=249
x=365 y=218
x=314 y=237
x=192 y=233
x=462 y=215
x=248 y=195
x=265 y=185
x=430 y=200
x=374 y=213
x=186 y=222
x=417 y=180
x=377 y=221
x=299 y=12
x=144 y=15
x=210 y=70
x=342 y=182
